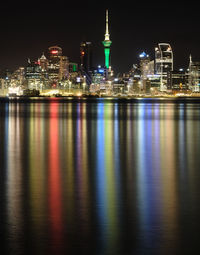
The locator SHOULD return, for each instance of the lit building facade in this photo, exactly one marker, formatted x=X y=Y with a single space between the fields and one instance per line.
x=146 y=69
x=33 y=75
x=194 y=76
x=43 y=61
x=163 y=63
x=58 y=65
x=55 y=53
x=176 y=81
x=64 y=68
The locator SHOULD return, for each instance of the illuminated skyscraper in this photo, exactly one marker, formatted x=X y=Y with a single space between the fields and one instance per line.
x=86 y=60
x=86 y=56
x=146 y=69
x=64 y=67
x=43 y=63
x=107 y=43
x=57 y=64
x=144 y=65
x=163 y=63
x=55 y=53
x=33 y=75
x=194 y=76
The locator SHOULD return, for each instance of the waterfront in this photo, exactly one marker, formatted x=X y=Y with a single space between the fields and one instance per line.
x=98 y=176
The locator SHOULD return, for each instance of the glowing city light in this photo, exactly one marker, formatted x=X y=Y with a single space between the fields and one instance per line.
x=54 y=51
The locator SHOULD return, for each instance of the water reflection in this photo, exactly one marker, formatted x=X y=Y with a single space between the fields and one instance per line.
x=13 y=179
x=99 y=178
x=54 y=182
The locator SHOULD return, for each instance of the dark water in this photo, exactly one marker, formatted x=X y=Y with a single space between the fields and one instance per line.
x=100 y=177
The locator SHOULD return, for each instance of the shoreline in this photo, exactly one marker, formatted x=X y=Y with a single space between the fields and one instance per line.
x=98 y=99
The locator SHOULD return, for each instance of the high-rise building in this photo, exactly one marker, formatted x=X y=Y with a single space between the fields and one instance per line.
x=86 y=65
x=57 y=64
x=33 y=75
x=146 y=66
x=19 y=75
x=64 y=68
x=54 y=63
x=86 y=56
x=43 y=61
x=194 y=76
x=107 y=43
x=163 y=63
x=176 y=81
x=147 y=69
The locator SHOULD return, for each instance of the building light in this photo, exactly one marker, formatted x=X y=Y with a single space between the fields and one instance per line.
x=54 y=52
x=143 y=55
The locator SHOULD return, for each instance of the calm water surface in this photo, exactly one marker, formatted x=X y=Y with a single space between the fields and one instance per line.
x=100 y=177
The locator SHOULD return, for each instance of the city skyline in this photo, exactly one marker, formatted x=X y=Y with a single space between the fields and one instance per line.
x=131 y=33
x=99 y=128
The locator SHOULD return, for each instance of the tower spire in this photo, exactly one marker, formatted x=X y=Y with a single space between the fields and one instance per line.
x=107 y=35
x=190 y=62
x=190 y=58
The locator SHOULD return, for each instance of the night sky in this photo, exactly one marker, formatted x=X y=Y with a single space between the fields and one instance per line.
x=28 y=30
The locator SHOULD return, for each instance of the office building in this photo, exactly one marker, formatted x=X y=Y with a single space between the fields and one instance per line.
x=163 y=63
x=194 y=76
x=86 y=56
x=176 y=81
x=33 y=75
x=43 y=61
x=86 y=64
x=145 y=68
x=58 y=65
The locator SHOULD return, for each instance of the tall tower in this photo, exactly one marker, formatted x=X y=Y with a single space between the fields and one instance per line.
x=86 y=56
x=163 y=63
x=106 y=43
x=86 y=60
